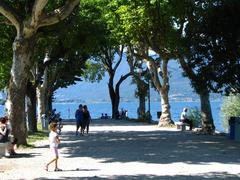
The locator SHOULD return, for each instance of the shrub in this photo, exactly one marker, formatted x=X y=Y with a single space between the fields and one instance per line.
x=195 y=115
x=230 y=107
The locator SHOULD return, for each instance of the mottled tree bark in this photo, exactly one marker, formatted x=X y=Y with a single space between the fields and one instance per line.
x=22 y=52
x=165 y=118
x=162 y=87
x=42 y=101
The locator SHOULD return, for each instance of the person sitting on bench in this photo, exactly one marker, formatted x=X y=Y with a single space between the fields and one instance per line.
x=184 y=118
x=5 y=132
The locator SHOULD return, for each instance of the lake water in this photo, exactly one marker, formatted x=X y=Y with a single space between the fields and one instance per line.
x=67 y=110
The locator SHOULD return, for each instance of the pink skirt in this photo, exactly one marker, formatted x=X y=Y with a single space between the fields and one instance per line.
x=54 y=151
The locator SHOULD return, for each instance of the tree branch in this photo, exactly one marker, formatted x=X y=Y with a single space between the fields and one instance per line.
x=122 y=78
x=6 y=22
x=10 y=14
x=186 y=68
x=37 y=10
x=58 y=14
x=120 y=58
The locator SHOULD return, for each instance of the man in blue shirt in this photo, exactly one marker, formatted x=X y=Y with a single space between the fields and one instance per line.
x=79 y=118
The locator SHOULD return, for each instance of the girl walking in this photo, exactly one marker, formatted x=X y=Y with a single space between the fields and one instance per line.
x=53 y=143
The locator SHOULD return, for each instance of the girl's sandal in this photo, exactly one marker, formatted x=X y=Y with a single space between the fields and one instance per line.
x=57 y=169
x=46 y=168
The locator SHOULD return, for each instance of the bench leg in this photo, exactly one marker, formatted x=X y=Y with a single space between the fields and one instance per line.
x=2 y=151
x=178 y=126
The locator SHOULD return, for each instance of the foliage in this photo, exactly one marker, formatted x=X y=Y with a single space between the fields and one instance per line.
x=146 y=23
x=6 y=38
x=195 y=115
x=230 y=107
x=68 y=55
x=212 y=40
x=94 y=71
x=95 y=37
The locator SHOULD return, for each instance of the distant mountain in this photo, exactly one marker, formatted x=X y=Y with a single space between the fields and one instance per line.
x=180 y=88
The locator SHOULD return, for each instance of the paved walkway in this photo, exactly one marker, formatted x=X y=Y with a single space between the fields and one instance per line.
x=125 y=150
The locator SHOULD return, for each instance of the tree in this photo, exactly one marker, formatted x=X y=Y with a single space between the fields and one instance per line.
x=185 y=20
x=141 y=79
x=207 y=54
x=219 y=43
x=200 y=84
x=147 y=26
x=67 y=55
x=27 y=17
x=110 y=57
x=108 y=52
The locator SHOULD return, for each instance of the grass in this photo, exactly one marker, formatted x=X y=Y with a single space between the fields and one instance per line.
x=36 y=136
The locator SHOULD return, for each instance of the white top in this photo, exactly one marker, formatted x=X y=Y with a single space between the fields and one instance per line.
x=3 y=129
x=183 y=115
x=53 y=139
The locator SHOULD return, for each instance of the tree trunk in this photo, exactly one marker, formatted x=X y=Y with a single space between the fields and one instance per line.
x=43 y=106
x=142 y=89
x=207 y=119
x=116 y=106
x=117 y=97
x=42 y=102
x=42 y=96
x=22 y=52
x=142 y=107
x=112 y=95
x=165 y=118
x=49 y=100
x=31 y=108
x=163 y=89
x=114 y=103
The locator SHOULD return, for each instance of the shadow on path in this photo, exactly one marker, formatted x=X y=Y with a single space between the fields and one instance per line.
x=23 y=155
x=161 y=147
x=209 y=176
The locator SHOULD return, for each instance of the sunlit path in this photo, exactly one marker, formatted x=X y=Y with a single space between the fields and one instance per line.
x=125 y=150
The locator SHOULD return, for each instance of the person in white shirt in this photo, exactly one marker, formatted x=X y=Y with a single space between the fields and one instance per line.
x=184 y=118
x=53 y=144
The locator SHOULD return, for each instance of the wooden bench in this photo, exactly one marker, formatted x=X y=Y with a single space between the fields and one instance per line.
x=181 y=125
x=3 y=148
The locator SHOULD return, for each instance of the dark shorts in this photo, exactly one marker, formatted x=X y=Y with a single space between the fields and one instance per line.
x=79 y=124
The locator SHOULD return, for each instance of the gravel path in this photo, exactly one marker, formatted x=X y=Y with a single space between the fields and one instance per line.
x=117 y=149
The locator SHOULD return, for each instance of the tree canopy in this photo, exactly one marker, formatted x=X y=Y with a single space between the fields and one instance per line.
x=212 y=37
